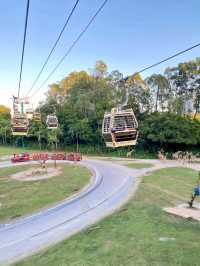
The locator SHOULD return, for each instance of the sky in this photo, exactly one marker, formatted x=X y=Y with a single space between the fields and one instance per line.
x=128 y=35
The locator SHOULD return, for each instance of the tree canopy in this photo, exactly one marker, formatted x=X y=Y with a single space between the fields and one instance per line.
x=161 y=104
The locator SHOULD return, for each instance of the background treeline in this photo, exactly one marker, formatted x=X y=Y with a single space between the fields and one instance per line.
x=166 y=106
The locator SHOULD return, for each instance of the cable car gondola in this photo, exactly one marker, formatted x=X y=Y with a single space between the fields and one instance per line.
x=19 y=125
x=52 y=122
x=120 y=128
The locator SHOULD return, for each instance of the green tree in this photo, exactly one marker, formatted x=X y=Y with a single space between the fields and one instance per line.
x=168 y=128
x=5 y=124
x=162 y=90
x=100 y=69
x=38 y=131
x=53 y=138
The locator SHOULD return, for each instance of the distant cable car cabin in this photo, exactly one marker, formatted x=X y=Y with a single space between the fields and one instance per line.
x=19 y=125
x=120 y=128
x=52 y=122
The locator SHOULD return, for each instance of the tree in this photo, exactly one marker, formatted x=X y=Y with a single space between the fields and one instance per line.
x=176 y=105
x=60 y=90
x=137 y=94
x=159 y=89
x=100 y=69
x=5 y=130
x=4 y=112
x=38 y=131
x=5 y=124
x=197 y=99
x=82 y=113
x=68 y=82
x=167 y=128
x=54 y=89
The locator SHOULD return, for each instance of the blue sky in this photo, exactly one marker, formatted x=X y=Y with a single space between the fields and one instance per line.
x=127 y=35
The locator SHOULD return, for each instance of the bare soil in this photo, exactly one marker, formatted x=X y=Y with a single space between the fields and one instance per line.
x=34 y=174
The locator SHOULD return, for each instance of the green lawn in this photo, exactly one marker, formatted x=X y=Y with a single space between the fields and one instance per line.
x=139 y=165
x=134 y=235
x=9 y=150
x=18 y=198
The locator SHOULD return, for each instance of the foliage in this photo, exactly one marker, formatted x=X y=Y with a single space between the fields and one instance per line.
x=61 y=89
x=100 y=69
x=5 y=125
x=161 y=91
x=82 y=113
x=38 y=131
x=169 y=128
x=4 y=111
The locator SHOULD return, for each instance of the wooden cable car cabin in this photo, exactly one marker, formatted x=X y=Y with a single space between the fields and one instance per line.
x=19 y=125
x=120 y=128
x=52 y=122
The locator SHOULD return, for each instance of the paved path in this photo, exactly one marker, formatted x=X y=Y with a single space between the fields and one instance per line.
x=110 y=187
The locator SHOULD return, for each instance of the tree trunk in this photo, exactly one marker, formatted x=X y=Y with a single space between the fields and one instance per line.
x=195 y=114
x=5 y=136
x=77 y=144
x=157 y=94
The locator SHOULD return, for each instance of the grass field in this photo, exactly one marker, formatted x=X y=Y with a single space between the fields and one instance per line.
x=139 y=234
x=18 y=198
x=139 y=165
x=84 y=149
x=9 y=150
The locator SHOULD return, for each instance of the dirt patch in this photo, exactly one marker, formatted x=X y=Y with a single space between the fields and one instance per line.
x=34 y=174
x=185 y=212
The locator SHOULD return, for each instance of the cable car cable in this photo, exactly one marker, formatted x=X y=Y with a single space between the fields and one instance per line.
x=54 y=46
x=140 y=71
x=23 y=47
x=72 y=46
x=168 y=58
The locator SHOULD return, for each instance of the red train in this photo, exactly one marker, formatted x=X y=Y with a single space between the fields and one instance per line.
x=17 y=158
x=45 y=156
x=69 y=157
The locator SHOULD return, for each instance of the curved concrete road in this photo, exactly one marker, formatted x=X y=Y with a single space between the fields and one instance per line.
x=110 y=187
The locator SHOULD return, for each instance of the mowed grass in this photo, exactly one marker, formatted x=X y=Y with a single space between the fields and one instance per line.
x=9 y=150
x=139 y=165
x=134 y=235
x=18 y=198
